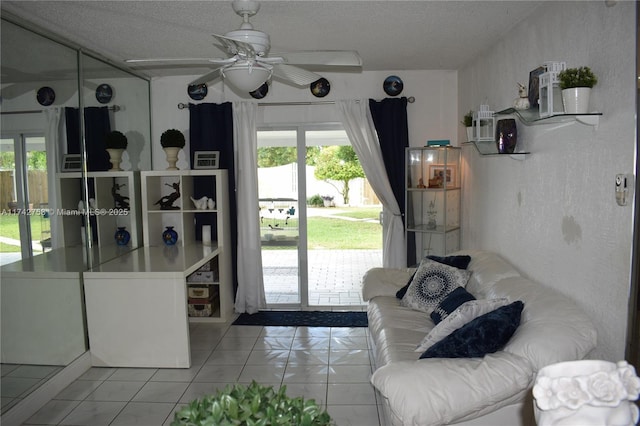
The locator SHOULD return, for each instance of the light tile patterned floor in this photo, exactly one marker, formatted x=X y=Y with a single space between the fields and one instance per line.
x=335 y=276
x=331 y=365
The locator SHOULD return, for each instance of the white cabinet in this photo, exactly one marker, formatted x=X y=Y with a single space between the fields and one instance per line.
x=116 y=204
x=432 y=202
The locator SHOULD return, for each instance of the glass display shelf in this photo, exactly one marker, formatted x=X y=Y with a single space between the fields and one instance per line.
x=532 y=116
x=489 y=148
x=439 y=229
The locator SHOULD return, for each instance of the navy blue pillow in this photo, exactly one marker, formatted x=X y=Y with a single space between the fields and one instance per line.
x=484 y=335
x=460 y=262
x=450 y=303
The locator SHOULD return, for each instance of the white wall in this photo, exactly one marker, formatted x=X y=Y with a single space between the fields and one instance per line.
x=432 y=116
x=554 y=215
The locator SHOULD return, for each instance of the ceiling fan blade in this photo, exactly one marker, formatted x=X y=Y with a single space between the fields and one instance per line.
x=341 y=58
x=235 y=47
x=213 y=75
x=137 y=61
x=296 y=75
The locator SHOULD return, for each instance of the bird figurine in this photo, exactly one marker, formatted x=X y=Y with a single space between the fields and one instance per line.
x=211 y=204
x=201 y=203
x=522 y=102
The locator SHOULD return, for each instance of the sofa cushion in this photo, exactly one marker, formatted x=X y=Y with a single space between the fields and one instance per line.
x=457 y=261
x=450 y=303
x=432 y=282
x=384 y=281
x=486 y=334
x=430 y=392
x=464 y=314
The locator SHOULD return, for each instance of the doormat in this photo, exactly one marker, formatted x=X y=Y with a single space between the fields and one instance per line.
x=304 y=318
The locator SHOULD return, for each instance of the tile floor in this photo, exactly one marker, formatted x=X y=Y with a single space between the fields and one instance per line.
x=331 y=365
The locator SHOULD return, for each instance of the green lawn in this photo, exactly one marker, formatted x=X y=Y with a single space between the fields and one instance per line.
x=9 y=229
x=338 y=234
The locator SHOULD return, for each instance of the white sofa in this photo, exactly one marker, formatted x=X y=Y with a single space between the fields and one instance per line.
x=494 y=390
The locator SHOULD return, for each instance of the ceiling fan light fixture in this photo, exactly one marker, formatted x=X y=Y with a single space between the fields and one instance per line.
x=247 y=77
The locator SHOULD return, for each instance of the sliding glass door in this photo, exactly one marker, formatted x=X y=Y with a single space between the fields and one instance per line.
x=24 y=226
x=319 y=219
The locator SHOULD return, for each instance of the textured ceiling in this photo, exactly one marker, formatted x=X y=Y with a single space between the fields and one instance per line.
x=389 y=35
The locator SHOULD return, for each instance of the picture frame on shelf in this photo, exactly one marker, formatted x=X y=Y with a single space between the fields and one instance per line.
x=534 y=87
x=439 y=175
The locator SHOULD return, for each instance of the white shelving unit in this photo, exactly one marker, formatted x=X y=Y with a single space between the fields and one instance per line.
x=433 y=200
x=214 y=275
x=108 y=214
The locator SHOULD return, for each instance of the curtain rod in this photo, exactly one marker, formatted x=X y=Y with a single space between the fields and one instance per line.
x=182 y=105
x=114 y=108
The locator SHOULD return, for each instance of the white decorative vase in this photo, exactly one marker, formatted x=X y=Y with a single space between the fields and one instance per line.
x=585 y=393
x=172 y=156
x=115 y=157
x=576 y=100
x=469 y=134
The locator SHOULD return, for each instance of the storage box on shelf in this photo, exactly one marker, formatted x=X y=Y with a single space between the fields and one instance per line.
x=203 y=291
x=432 y=202
x=116 y=204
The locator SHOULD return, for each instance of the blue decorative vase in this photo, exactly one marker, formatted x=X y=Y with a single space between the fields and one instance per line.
x=506 y=135
x=122 y=236
x=169 y=236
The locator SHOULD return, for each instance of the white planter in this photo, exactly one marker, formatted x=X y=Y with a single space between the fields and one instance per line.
x=115 y=157
x=172 y=156
x=585 y=393
x=576 y=100
x=469 y=134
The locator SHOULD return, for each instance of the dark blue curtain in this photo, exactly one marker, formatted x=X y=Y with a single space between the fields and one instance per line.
x=211 y=129
x=390 y=119
x=96 y=127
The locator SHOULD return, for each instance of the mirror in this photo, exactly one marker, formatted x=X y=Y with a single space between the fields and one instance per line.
x=42 y=196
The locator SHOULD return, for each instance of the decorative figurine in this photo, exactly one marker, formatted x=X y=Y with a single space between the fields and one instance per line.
x=166 y=202
x=522 y=102
x=421 y=183
x=119 y=201
x=201 y=203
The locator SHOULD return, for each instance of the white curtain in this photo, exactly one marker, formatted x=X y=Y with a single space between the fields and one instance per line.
x=357 y=122
x=54 y=138
x=250 y=296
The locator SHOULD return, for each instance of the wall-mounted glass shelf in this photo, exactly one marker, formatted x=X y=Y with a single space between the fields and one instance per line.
x=532 y=116
x=489 y=148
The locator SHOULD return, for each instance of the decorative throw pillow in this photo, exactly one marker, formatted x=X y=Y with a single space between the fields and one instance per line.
x=485 y=334
x=450 y=303
x=464 y=314
x=459 y=261
x=432 y=282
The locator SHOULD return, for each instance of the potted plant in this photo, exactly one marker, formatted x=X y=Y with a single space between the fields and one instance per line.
x=576 y=84
x=252 y=404
x=467 y=121
x=172 y=142
x=115 y=143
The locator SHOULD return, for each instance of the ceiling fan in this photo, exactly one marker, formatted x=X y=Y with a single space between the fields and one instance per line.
x=249 y=65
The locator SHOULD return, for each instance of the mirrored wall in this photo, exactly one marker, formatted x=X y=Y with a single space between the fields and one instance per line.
x=63 y=196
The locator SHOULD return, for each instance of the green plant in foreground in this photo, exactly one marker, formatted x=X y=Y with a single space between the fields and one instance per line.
x=577 y=77
x=252 y=405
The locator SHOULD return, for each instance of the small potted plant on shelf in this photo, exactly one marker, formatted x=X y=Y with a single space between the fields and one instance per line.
x=467 y=122
x=115 y=143
x=249 y=405
x=576 y=85
x=172 y=142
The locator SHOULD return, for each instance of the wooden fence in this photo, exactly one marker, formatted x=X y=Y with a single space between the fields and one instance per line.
x=38 y=188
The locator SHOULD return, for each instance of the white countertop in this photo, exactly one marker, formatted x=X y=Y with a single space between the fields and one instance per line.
x=67 y=260
x=160 y=261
